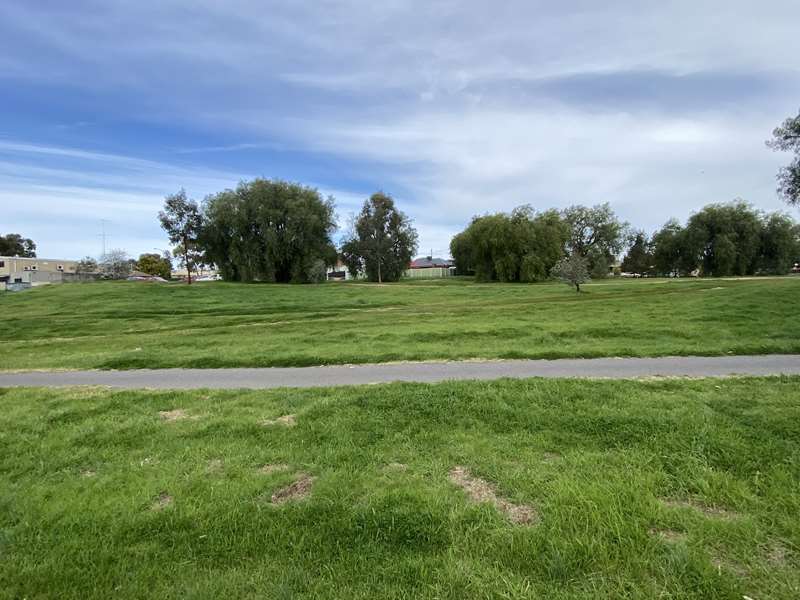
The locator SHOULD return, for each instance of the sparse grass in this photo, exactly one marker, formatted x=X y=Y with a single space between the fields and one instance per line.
x=642 y=489
x=138 y=325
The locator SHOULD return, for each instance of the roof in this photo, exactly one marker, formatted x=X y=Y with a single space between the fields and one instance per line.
x=428 y=262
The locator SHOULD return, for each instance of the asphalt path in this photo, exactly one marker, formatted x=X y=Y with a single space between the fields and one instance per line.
x=427 y=372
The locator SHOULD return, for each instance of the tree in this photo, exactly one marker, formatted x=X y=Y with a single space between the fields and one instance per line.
x=14 y=244
x=595 y=234
x=181 y=219
x=726 y=238
x=521 y=246
x=155 y=264
x=115 y=264
x=269 y=230
x=639 y=258
x=786 y=138
x=87 y=265
x=572 y=270
x=780 y=244
x=382 y=242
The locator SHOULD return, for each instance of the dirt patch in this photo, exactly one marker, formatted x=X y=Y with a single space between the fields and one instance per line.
x=270 y=469
x=551 y=457
x=170 y=416
x=162 y=502
x=215 y=465
x=396 y=466
x=724 y=564
x=297 y=490
x=285 y=420
x=710 y=511
x=777 y=554
x=88 y=473
x=668 y=535
x=480 y=490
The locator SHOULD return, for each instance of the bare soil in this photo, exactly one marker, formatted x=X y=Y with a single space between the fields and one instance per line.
x=297 y=490
x=480 y=490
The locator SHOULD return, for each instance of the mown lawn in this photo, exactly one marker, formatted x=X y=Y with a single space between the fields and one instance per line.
x=630 y=489
x=136 y=325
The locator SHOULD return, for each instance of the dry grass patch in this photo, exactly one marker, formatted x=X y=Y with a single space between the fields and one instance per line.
x=396 y=466
x=297 y=490
x=725 y=564
x=215 y=465
x=285 y=420
x=87 y=473
x=668 y=535
x=170 y=416
x=480 y=490
x=162 y=502
x=270 y=469
x=551 y=457
x=709 y=511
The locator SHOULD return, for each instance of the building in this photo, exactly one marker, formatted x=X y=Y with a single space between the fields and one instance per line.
x=339 y=272
x=429 y=267
x=35 y=271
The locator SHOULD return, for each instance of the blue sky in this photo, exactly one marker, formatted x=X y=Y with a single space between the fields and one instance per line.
x=456 y=108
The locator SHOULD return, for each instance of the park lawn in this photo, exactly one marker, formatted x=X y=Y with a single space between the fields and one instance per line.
x=629 y=489
x=128 y=325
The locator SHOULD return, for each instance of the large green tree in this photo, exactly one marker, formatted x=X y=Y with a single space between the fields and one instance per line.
x=639 y=259
x=786 y=138
x=269 y=230
x=596 y=234
x=14 y=244
x=780 y=244
x=181 y=219
x=726 y=238
x=521 y=246
x=382 y=241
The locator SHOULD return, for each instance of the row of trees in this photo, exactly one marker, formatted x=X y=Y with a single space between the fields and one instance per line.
x=116 y=264
x=720 y=240
x=525 y=245
x=274 y=231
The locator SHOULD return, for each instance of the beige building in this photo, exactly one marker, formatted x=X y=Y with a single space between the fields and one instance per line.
x=36 y=271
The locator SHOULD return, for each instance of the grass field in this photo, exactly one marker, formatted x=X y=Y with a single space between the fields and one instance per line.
x=630 y=489
x=135 y=325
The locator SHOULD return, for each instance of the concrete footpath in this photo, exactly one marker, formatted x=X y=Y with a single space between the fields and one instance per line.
x=428 y=372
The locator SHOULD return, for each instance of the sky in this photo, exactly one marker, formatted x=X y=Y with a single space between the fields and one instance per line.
x=455 y=108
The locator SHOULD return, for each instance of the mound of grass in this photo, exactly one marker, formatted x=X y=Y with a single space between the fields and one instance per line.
x=635 y=489
x=135 y=325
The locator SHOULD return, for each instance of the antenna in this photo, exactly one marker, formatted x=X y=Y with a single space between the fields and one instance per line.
x=103 y=234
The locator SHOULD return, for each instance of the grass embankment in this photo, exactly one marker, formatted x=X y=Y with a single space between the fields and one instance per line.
x=635 y=489
x=138 y=325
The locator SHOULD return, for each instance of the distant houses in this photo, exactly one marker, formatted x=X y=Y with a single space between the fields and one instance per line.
x=429 y=267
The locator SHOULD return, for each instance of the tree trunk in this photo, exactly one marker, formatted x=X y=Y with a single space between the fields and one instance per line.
x=578 y=288
x=379 y=270
x=187 y=260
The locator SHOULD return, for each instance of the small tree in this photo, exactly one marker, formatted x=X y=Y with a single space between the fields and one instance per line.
x=153 y=264
x=115 y=264
x=86 y=265
x=572 y=270
x=182 y=220
x=382 y=242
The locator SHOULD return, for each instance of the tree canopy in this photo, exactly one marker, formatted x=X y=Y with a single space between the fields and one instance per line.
x=786 y=138
x=269 y=230
x=382 y=241
x=639 y=258
x=596 y=234
x=521 y=246
x=727 y=239
x=14 y=244
x=155 y=264
x=182 y=220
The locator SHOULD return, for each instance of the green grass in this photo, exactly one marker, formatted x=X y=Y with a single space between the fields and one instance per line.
x=81 y=468
x=136 y=325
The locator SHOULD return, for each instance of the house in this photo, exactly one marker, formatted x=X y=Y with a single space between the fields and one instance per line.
x=36 y=271
x=428 y=267
x=339 y=272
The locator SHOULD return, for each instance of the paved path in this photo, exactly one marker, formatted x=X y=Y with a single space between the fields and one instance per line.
x=618 y=368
